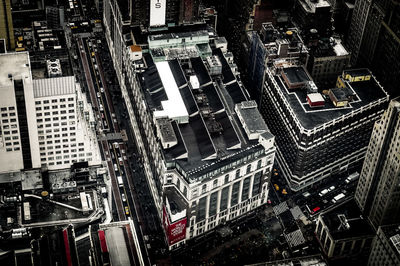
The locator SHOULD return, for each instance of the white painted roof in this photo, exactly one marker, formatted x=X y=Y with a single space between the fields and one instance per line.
x=174 y=107
x=53 y=86
x=14 y=64
x=315 y=97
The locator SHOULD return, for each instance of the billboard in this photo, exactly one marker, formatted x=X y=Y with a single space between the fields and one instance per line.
x=175 y=231
x=157 y=12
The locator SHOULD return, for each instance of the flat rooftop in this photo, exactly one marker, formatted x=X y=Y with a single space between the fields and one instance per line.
x=212 y=131
x=167 y=36
x=15 y=65
x=53 y=86
x=365 y=93
x=358 y=226
x=331 y=47
x=119 y=241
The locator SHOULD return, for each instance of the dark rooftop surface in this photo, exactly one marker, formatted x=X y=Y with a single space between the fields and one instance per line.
x=236 y=93
x=188 y=99
x=227 y=73
x=179 y=149
x=366 y=92
x=296 y=74
x=177 y=72
x=357 y=72
x=176 y=202
x=196 y=132
x=358 y=226
x=213 y=99
x=213 y=130
x=200 y=70
x=124 y=8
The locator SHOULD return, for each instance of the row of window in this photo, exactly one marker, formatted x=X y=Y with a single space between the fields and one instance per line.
x=8 y=114
x=71 y=111
x=57 y=130
x=4 y=109
x=11 y=149
x=47 y=107
x=54 y=100
x=216 y=182
x=66 y=156
x=48 y=131
x=41 y=143
x=57 y=125
x=6 y=121
x=66 y=162
x=64 y=151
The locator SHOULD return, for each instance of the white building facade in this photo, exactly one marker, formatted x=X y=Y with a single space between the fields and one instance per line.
x=65 y=124
x=44 y=122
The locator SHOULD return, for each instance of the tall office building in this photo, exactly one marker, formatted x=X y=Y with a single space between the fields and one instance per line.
x=319 y=131
x=358 y=27
x=386 y=60
x=386 y=246
x=374 y=40
x=378 y=192
x=19 y=148
x=6 y=24
x=44 y=122
x=65 y=123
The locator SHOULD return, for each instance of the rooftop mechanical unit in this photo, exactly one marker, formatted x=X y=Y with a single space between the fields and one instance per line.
x=54 y=68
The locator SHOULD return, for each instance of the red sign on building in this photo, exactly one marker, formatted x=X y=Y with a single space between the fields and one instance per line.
x=175 y=231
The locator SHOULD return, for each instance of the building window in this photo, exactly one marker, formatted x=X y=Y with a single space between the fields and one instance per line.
x=215 y=183
x=238 y=173
x=259 y=164
x=248 y=169
x=226 y=179
x=204 y=188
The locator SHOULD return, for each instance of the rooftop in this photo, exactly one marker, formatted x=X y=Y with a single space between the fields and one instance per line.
x=208 y=130
x=118 y=242
x=53 y=86
x=13 y=65
x=331 y=47
x=291 y=83
x=345 y=221
x=312 y=5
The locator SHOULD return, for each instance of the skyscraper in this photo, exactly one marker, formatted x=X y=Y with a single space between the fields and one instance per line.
x=357 y=27
x=386 y=246
x=44 y=122
x=6 y=24
x=374 y=39
x=378 y=191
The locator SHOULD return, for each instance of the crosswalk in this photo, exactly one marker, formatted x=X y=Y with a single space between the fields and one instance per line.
x=280 y=208
x=296 y=212
x=295 y=238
